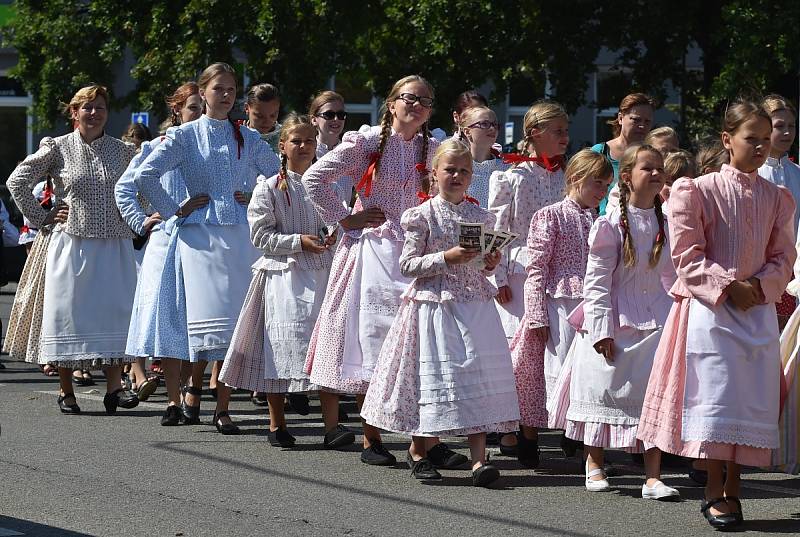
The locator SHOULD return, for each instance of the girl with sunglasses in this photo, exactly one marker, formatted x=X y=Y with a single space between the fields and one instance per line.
x=478 y=129
x=365 y=287
x=328 y=115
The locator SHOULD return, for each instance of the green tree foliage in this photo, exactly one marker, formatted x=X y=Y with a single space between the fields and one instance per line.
x=747 y=47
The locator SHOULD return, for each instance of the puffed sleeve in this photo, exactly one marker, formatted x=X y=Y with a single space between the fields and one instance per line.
x=541 y=242
x=349 y=158
x=169 y=155
x=604 y=252
x=704 y=278
x=263 y=225
x=414 y=263
x=29 y=172
x=781 y=254
x=125 y=192
x=501 y=195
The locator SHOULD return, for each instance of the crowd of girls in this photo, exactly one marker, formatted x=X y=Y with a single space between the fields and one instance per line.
x=635 y=310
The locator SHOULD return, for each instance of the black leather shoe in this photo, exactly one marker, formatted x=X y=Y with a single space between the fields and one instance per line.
x=299 y=402
x=225 y=428
x=259 y=399
x=120 y=398
x=422 y=469
x=280 y=438
x=441 y=456
x=338 y=437
x=569 y=446
x=485 y=475
x=191 y=414
x=172 y=416
x=717 y=521
x=527 y=451
x=68 y=409
x=377 y=455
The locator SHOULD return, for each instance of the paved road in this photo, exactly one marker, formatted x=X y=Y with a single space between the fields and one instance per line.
x=125 y=475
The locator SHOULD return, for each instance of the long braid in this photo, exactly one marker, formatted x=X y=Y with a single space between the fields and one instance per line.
x=386 y=132
x=425 y=176
x=283 y=177
x=658 y=243
x=628 y=249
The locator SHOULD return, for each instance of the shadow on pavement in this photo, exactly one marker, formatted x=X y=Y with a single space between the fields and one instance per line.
x=32 y=529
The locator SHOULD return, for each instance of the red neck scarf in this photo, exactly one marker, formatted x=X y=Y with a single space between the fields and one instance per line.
x=550 y=164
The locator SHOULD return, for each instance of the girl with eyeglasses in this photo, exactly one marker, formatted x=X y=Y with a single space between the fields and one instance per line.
x=478 y=129
x=365 y=287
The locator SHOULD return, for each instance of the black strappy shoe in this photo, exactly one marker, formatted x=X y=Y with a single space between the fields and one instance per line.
x=725 y=521
x=225 y=428
x=121 y=398
x=739 y=515
x=68 y=409
x=191 y=414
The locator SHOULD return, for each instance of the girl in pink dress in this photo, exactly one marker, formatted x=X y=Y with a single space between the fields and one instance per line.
x=445 y=367
x=714 y=388
x=514 y=195
x=625 y=307
x=365 y=286
x=557 y=252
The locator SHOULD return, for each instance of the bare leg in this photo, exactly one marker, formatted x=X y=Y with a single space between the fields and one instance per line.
x=715 y=487
x=172 y=372
x=531 y=433
x=277 y=418
x=594 y=460
x=113 y=378
x=329 y=403
x=477 y=449
x=652 y=466
x=371 y=434
x=138 y=373
x=186 y=372
x=216 y=367
x=223 y=400
x=195 y=381
x=733 y=483
x=418 y=447
x=65 y=381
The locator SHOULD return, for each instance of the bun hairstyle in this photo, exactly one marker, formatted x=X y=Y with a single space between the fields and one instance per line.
x=85 y=95
x=292 y=122
x=321 y=99
x=773 y=103
x=469 y=99
x=261 y=93
x=538 y=116
x=626 y=105
x=586 y=164
x=178 y=100
x=740 y=112
x=710 y=156
x=679 y=164
x=467 y=118
x=626 y=165
x=386 y=129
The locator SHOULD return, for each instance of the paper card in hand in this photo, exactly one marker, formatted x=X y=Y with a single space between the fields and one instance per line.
x=469 y=235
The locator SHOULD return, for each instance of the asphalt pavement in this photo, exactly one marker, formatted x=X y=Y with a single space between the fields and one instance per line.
x=94 y=474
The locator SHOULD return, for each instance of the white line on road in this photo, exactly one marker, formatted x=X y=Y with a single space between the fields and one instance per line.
x=5 y=532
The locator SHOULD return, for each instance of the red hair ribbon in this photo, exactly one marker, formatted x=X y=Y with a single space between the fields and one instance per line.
x=420 y=166
x=549 y=164
x=471 y=199
x=282 y=178
x=366 y=179
x=423 y=197
x=24 y=229
x=659 y=236
x=47 y=194
x=237 y=133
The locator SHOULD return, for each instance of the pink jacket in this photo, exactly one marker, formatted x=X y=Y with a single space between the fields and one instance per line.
x=730 y=226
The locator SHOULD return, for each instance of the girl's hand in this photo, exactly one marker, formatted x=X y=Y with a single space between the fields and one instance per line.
x=492 y=259
x=331 y=240
x=57 y=215
x=743 y=294
x=458 y=255
x=310 y=243
x=151 y=221
x=503 y=294
x=606 y=348
x=756 y=283
x=242 y=198
x=542 y=332
x=192 y=204
x=372 y=217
